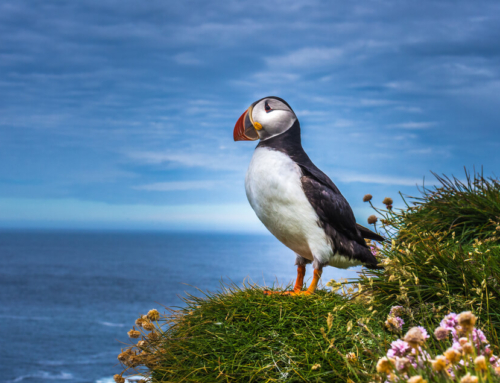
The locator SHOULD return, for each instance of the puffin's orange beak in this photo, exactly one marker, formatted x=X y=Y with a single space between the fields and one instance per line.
x=244 y=129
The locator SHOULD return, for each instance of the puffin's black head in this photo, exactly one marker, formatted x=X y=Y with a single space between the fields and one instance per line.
x=265 y=118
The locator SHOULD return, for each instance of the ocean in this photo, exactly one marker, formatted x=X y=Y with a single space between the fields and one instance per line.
x=68 y=298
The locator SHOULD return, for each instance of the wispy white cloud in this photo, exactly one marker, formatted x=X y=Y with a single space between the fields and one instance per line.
x=306 y=57
x=414 y=125
x=177 y=185
x=187 y=58
x=217 y=160
x=378 y=179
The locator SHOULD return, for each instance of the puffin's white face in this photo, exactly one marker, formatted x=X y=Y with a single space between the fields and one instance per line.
x=264 y=119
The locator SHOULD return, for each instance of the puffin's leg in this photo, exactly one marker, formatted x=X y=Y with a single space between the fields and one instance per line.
x=299 y=282
x=314 y=283
x=301 y=263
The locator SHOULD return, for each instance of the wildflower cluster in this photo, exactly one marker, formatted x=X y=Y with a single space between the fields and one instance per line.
x=145 y=352
x=468 y=359
x=394 y=323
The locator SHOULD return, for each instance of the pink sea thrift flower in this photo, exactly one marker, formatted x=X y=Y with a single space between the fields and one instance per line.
x=478 y=337
x=424 y=332
x=450 y=321
x=398 y=348
x=418 y=359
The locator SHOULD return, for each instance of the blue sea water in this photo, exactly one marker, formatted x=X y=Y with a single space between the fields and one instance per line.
x=67 y=299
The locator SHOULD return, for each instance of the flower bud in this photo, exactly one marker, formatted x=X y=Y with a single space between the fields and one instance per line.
x=416 y=379
x=134 y=333
x=466 y=320
x=385 y=365
x=139 y=321
x=468 y=378
x=153 y=315
x=387 y=201
x=439 y=364
x=453 y=355
x=122 y=357
x=372 y=219
x=148 y=326
x=414 y=337
x=467 y=347
x=351 y=357
x=367 y=197
x=441 y=333
x=480 y=363
x=119 y=379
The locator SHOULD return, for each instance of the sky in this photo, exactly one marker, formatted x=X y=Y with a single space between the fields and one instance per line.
x=120 y=114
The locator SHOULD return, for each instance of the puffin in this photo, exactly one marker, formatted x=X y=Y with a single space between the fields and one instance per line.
x=296 y=201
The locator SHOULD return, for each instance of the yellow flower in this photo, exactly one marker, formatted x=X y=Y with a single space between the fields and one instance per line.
x=134 y=333
x=315 y=367
x=351 y=357
x=466 y=320
x=416 y=379
x=414 y=337
x=329 y=321
x=467 y=347
x=385 y=365
x=153 y=336
x=469 y=379
x=122 y=357
x=153 y=315
x=480 y=363
x=148 y=326
x=119 y=378
x=139 y=321
x=497 y=370
x=453 y=355
x=439 y=364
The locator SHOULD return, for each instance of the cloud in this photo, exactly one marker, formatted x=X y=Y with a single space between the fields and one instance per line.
x=187 y=58
x=306 y=58
x=414 y=125
x=378 y=179
x=218 y=160
x=177 y=185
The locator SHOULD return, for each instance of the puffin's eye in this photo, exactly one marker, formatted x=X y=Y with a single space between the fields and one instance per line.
x=268 y=108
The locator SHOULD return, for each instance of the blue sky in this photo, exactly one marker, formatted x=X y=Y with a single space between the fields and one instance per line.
x=119 y=114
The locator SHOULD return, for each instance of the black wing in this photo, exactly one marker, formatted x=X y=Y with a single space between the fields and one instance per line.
x=335 y=214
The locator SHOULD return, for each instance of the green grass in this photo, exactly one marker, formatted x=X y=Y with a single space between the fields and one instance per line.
x=242 y=335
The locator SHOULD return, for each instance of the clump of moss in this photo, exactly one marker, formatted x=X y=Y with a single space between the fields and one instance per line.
x=243 y=335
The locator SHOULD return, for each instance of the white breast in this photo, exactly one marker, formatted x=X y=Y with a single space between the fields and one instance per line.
x=275 y=192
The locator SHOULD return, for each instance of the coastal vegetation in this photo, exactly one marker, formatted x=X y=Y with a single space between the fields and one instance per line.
x=432 y=314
